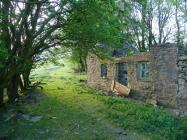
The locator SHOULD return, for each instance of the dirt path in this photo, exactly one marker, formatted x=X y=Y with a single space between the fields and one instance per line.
x=68 y=111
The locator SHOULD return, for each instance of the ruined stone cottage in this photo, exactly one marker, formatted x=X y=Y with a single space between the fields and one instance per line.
x=160 y=73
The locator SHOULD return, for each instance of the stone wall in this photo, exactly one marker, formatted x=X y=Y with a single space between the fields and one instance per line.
x=94 y=73
x=165 y=74
x=182 y=79
x=168 y=75
x=140 y=89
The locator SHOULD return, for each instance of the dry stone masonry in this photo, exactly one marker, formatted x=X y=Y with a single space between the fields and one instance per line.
x=165 y=74
x=182 y=79
x=166 y=67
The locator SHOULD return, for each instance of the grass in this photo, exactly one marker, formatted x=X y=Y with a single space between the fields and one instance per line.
x=72 y=111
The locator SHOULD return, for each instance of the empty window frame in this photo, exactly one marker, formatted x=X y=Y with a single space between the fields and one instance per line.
x=103 y=70
x=122 y=73
x=143 y=71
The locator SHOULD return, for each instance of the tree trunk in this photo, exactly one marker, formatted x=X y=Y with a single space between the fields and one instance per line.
x=178 y=39
x=82 y=66
x=21 y=84
x=13 y=88
x=26 y=81
x=143 y=26
x=1 y=97
x=159 y=23
x=85 y=64
x=150 y=24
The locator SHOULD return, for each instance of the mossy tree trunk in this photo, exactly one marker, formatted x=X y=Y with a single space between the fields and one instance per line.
x=26 y=81
x=1 y=97
x=13 y=88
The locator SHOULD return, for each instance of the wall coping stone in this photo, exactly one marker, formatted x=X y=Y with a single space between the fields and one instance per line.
x=183 y=58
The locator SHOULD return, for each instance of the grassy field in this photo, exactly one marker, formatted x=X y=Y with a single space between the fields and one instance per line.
x=72 y=111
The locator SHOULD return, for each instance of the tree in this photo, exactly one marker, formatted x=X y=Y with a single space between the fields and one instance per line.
x=90 y=25
x=180 y=13
x=151 y=22
x=138 y=23
x=29 y=27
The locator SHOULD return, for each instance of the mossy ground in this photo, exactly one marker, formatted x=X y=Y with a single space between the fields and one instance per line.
x=72 y=111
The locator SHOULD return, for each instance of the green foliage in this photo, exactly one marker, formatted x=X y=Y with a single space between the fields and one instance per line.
x=184 y=127
x=156 y=123
x=71 y=110
x=3 y=54
x=129 y=52
x=92 y=23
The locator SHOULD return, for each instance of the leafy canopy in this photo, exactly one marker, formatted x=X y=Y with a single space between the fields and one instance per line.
x=92 y=23
x=3 y=54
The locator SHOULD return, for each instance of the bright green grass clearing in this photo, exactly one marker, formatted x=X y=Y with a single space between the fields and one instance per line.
x=72 y=111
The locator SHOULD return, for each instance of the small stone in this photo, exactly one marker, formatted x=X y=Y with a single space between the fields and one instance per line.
x=76 y=133
x=9 y=118
x=35 y=118
x=42 y=132
x=181 y=81
x=29 y=117
x=183 y=58
x=183 y=114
